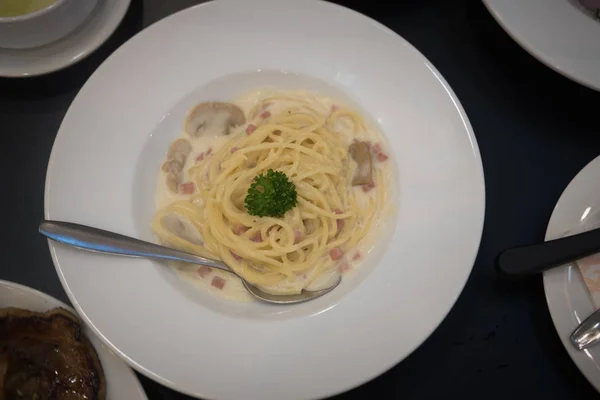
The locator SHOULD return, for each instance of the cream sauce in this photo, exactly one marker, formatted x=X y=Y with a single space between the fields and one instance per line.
x=208 y=142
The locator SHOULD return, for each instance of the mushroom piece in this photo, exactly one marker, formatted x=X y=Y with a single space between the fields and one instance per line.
x=362 y=155
x=213 y=116
x=176 y=157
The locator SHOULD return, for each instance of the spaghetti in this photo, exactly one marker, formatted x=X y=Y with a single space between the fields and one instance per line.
x=308 y=143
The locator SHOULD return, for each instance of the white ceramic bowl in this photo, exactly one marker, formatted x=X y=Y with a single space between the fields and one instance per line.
x=44 y=26
x=109 y=149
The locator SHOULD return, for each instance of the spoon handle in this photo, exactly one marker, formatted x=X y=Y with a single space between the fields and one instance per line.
x=587 y=333
x=528 y=260
x=98 y=240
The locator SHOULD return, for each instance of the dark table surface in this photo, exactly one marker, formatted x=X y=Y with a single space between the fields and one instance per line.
x=535 y=128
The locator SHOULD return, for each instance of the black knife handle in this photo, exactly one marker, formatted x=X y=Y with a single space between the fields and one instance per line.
x=528 y=260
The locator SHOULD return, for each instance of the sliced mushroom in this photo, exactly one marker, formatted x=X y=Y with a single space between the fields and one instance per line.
x=361 y=153
x=173 y=181
x=176 y=157
x=213 y=116
x=179 y=150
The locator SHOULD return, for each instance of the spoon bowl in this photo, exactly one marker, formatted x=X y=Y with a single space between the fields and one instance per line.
x=101 y=241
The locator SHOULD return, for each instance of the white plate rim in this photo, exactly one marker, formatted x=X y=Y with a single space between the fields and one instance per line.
x=477 y=230
x=102 y=350
x=576 y=31
x=565 y=316
x=116 y=10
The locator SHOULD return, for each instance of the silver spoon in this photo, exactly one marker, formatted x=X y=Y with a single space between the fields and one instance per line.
x=98 y=240
x=587 y=333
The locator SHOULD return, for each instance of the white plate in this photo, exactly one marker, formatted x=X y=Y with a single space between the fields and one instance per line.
x=121 y=382
x=66 y=51
x=103 y=172
x=568 y=299
x=559 y=33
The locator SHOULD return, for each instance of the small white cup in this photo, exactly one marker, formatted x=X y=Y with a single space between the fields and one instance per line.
x=44 y=26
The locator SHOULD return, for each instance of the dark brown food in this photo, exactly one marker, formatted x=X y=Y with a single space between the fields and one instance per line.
x=47 y=356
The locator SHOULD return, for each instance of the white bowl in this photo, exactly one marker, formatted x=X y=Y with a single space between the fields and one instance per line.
x=103 y=172
x=44 y=26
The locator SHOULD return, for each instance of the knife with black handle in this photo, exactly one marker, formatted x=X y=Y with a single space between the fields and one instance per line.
x=524 y=261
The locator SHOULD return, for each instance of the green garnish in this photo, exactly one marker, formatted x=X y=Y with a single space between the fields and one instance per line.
x=271 y=195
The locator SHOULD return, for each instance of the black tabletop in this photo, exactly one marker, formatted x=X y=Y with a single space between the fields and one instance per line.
x=535 y=128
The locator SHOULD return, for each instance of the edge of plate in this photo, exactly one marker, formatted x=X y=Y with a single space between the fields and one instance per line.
x=576 y=356
x=111 y=27
x=535 y=54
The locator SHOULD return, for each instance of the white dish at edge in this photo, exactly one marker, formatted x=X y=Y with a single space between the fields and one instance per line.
x=559 y=33
x=213 y=348
x=44 y=26
x=121 y=382
x=74 y=47
x=568 y=298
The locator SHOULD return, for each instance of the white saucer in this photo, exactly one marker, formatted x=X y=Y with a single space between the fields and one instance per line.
x=121 y=382
x=559 y=33
x=69 y=50
x=569 y=301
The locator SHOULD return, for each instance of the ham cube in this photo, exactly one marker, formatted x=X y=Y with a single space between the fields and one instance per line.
x=343 y=266
x=250 y=128
x=336 y=253
x=187 y=188
x=218 y=282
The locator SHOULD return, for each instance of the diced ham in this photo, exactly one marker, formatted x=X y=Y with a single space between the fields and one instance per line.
x=356 y=256
x=257 y=237
x=343 y=266
x=368 y=187
x=218 y=282
x=240 y=229
x=204 y=154
x=234 y=149
x=336 y=253
x=297 y=237
x=334 y=108
x=337 y=211
x=265 y=114
x=187 y=188
x=250 y=128
x=236 y=256
x=204 y=271
x=381 y=157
